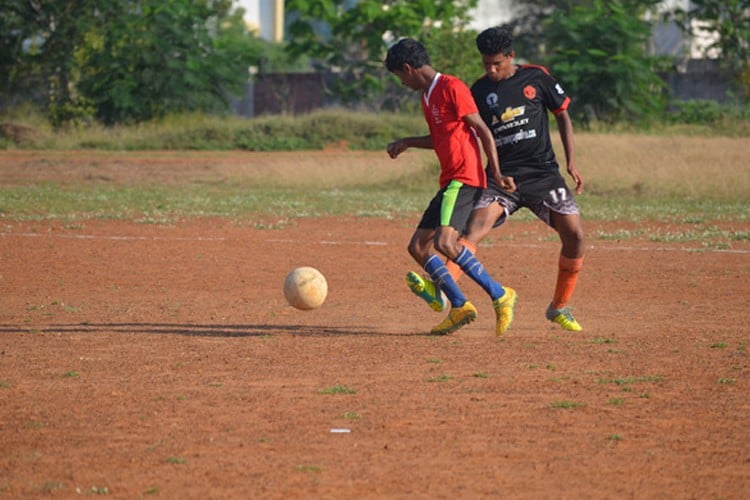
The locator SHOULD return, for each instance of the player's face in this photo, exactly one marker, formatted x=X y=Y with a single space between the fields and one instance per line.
x=498 y=66
x=407 y=77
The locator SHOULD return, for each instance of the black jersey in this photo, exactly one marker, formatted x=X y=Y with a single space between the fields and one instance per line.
x=515 y=109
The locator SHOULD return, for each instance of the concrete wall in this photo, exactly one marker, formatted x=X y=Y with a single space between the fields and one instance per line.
x=700 y=79
x=288 y=93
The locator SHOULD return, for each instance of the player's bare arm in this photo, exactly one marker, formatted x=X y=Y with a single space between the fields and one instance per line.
x=488 y=143
x=399 y=146
x=565 y=126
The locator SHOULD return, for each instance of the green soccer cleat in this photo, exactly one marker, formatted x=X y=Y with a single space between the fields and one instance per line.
x=563 y=318
x=504 y=310
x=425 y=289
x=457 y=317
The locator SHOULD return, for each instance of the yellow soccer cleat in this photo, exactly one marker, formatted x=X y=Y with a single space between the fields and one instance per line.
x=504 y=310
x=563 y=318
x=425 y=289
x=457 y=317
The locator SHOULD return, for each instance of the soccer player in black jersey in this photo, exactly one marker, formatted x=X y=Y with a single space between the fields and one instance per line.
x=514 y=101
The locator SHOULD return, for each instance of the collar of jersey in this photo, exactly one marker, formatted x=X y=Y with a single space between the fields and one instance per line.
x=432 y=86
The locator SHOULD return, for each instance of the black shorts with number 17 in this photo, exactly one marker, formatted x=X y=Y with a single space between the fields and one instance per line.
x=540 y=194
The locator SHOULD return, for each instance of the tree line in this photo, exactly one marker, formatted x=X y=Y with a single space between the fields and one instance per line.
x=126 y=61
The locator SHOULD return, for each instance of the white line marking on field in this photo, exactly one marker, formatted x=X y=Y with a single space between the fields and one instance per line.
x=116 y=238
x=366 y=242
x=328 y=242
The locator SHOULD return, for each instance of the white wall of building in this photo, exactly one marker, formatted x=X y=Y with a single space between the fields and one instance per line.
x=489 y=13
x=264 y=17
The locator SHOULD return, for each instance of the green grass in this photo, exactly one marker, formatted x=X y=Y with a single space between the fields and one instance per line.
x=665 y=175
x=164 y=204
x=308 y=468
x=625 y=383
x=283 y=132
x=338 y=389
x=203 y=132
x=566 y=405
x=154 y=204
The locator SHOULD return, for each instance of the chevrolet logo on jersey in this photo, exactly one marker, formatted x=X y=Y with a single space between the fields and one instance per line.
x=511 y=113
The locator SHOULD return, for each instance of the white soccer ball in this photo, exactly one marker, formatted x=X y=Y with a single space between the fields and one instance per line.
x=305 y=288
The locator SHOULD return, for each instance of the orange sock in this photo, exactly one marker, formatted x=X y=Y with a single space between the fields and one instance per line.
x=453 y=268
x=567 y=277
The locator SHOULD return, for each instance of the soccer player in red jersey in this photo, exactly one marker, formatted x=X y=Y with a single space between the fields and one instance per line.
x=455 y=132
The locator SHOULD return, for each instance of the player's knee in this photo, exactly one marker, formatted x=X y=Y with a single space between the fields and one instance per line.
x=573 y=239
x=447 y=247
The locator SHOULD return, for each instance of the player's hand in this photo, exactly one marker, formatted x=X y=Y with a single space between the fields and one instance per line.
x=576 y=176
x=396 y=148
x=506 y=183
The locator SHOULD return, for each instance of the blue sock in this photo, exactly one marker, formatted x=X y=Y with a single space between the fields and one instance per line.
x=443 y=280
x=475 y=270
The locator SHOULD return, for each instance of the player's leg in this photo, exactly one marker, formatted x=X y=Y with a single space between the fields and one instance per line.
x=552 y=201
x=570 y=230
x=420 y=248
x=481 y=222
x=462 y=311
x=491 y=210
x=446 y=242
x=570 y=263
x=455 y=207
x=430 y=230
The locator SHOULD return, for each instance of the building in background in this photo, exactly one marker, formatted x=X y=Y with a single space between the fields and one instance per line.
x=264 y=17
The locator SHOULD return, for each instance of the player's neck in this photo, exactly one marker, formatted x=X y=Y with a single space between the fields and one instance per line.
x=428 y=75
x=511 y=71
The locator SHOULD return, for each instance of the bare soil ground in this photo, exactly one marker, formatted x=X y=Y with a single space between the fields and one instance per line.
x=162 y=360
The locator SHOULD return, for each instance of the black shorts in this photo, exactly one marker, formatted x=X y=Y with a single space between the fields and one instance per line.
x=541 y=195
x=451 y=206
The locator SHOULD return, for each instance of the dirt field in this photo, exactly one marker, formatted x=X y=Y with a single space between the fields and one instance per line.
x=147 y=361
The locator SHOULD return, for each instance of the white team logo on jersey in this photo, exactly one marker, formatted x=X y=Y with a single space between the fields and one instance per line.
x=492 y=99
x=559 y=89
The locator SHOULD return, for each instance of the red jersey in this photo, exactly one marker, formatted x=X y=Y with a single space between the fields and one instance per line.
x=456 y=144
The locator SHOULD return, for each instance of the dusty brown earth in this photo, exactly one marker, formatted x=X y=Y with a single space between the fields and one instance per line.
x=162 y=361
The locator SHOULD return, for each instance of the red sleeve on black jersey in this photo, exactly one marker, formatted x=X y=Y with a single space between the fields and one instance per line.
x=562 y=107
x=542 y=68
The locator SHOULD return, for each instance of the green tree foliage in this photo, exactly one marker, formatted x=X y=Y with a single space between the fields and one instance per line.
x=125 y=60
x=350 y=39
x=39 y=39
x=455 y=52
x=599 y=54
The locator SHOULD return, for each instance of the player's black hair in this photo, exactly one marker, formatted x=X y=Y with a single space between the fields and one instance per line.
x=406 y=51
x=494 y=41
